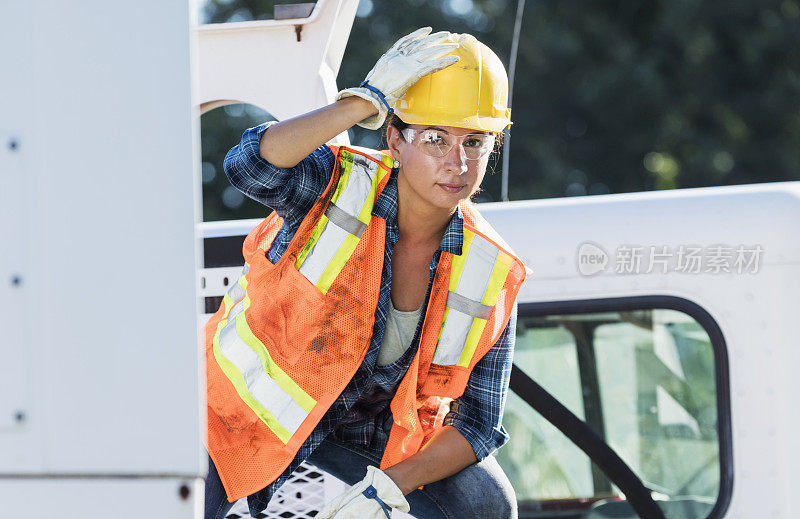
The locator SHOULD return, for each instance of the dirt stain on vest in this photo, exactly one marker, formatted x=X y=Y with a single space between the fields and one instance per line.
x=331 y=326
x=340 y=291
x=317 y=344
x=234 y=428
x=255 y=443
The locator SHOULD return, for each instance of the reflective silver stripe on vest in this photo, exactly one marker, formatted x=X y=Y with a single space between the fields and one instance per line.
x=350 y=201
x=236 y=292
x=349 y=223
x=472 y=284
x=235 y=310
x=367 y=151
x=468 y=306
x=263 y=388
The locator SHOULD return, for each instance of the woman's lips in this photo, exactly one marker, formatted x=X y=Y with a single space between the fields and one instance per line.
x=452 y=188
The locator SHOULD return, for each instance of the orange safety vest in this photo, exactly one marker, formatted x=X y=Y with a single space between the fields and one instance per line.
x=289 y=336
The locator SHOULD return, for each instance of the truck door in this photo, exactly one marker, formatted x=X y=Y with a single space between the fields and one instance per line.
x=648 y=376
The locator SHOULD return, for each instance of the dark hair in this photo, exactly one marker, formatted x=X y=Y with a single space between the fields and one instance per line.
x=393 y=120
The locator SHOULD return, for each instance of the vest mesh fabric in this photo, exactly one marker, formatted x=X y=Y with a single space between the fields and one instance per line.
x=357 y=385
x=319 y=339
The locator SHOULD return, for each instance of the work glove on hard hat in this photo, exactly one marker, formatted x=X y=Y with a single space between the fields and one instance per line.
x=374 y=497
x=411 y=57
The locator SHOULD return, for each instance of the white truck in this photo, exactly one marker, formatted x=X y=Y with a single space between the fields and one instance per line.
x=659 y=319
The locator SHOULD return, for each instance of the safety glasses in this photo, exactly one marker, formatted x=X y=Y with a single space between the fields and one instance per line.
x=438 y=143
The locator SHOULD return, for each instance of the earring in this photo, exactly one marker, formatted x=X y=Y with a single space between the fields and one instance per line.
x=396 y=163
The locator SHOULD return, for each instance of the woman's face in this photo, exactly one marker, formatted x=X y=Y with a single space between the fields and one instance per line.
x=442 y=182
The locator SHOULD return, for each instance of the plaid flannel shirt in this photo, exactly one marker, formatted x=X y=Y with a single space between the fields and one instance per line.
x=361 y=415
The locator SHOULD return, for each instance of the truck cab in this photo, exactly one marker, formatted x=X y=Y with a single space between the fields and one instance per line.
x=651 y=319
x=654 y=362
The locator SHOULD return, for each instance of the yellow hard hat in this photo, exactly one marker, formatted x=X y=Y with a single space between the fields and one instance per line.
x=472 y=93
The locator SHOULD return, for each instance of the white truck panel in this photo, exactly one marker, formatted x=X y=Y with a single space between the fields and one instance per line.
x=91 y=498
x=102 y=203
x=756 y=311
x=267 y=63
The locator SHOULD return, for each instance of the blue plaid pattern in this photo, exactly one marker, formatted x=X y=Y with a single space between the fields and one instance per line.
x=361 y=415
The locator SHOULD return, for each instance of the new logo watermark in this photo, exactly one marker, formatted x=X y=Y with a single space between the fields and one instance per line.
x=683 y=259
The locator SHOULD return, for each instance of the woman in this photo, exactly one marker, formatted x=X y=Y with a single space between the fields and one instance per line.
x=372 y=328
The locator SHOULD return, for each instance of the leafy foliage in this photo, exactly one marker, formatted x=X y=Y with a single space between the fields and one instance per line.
x=610 y=96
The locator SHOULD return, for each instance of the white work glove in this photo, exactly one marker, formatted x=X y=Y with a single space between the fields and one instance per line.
x=354 y=504
x=410 y=58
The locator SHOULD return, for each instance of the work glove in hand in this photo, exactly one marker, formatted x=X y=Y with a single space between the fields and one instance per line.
x=374 y=497
x=416 y=55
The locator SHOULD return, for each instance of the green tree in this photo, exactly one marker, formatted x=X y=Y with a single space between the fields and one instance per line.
x=609 y=96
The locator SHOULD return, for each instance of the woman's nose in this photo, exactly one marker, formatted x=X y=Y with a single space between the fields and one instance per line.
x=456 y=159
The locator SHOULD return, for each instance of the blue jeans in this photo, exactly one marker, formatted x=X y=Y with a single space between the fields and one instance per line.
x=481 y=490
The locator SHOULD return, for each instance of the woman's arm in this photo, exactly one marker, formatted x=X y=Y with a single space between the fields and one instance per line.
x=445 y=454
x=288 y=142
x=478 y=412
x=473 y=428
x=416 y=55
x=290 y=192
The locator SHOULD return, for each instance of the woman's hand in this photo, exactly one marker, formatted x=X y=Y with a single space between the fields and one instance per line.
x=411 y=57
x=374 y=497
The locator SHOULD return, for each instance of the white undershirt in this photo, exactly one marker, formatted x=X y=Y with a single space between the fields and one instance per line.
x=400 y=329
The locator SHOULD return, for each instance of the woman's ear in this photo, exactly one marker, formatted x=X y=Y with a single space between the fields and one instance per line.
x=393 y=140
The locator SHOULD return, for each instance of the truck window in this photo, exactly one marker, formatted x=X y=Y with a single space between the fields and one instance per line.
x=220 y=130
x=646 y=381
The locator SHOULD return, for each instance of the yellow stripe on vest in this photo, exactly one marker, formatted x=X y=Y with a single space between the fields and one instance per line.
x=236 y=292
x=344 y=168
x=330 y=246
x=501 y=269
x=272 y=395
x=477 y=276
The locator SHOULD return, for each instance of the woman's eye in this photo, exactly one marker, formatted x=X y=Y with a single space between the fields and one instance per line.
x=473 y=143
x=433 y=139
